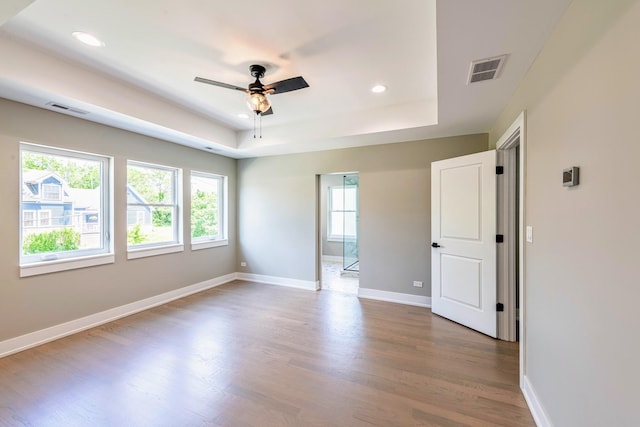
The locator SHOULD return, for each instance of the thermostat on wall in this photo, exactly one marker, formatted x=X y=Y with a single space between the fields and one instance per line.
x=571 y=176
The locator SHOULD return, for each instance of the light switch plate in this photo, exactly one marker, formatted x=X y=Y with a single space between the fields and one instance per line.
x=529 y=234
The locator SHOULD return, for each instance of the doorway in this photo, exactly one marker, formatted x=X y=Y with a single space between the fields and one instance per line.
x=339 y=243
x=511 y=275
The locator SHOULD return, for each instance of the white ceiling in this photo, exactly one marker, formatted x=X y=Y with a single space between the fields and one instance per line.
x=142 y=78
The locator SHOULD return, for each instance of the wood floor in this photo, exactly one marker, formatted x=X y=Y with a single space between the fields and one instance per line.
x=247 y=354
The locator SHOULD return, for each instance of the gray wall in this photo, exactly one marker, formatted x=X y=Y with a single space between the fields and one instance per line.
x=582 y=98
x=278 y=204
x=34 y=303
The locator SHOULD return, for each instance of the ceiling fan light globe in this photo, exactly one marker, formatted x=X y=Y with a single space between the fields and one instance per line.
x=258 y=103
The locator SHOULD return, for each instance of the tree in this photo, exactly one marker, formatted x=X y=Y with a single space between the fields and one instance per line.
x=135 y=236
x=77 y=173
x=153 y=185
x=204 y=221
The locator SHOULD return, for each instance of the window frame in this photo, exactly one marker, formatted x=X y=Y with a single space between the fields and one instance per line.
x=35 y=264
x=165 y=247
x=221 y=239
x=331 y=236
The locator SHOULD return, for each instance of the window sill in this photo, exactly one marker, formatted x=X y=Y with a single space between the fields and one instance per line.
x=157 y=250
x=196 y=246
x=45 y=267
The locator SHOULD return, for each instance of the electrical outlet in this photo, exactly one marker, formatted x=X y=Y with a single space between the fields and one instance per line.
x=417 y=284
x=243 y=264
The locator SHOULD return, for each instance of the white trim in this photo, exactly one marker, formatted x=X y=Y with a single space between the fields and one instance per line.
x=36 y=268
x=536 y=408
x=332 y=258
x=33 y=339
x=145 y=252
x=196 y=246
x=516 y=134
x=280 y=281
x=397 y=297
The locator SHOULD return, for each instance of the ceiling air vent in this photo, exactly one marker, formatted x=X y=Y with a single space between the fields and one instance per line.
x=66 y=108
x=486 y=69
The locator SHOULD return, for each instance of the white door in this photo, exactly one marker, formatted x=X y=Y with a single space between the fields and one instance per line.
x=463 y=232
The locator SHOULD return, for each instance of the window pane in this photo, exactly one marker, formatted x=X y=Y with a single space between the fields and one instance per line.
x=337 y=224
x=152 y=207
x=147 y=225
x=350 y=224
x=205 y=206
x=337 y=196
x=61 y=193
x=350 y=198
x=151 y=185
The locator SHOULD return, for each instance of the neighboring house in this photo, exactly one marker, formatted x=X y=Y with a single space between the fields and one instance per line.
x=137 y=214
x=86 y=209
x=46 y=202
x=49 y=203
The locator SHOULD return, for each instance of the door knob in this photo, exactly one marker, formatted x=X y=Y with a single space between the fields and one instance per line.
x=435 y=245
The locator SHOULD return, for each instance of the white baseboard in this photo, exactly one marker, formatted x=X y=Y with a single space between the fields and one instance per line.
x=537 y=411
x=33 y=339
x=280 y=281
x=332 y=258
x=397 y=297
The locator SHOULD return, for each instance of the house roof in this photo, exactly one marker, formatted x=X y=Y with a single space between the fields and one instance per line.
x=141 y=79
x=85 y=198
x=29 y=192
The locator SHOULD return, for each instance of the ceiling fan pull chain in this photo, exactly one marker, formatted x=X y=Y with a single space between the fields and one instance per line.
x=254 y=126
x=260 y=125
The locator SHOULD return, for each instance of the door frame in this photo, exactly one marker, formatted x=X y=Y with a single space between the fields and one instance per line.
x=320 y=192
x=515 y=136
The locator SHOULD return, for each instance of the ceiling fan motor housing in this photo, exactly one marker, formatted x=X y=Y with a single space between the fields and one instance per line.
x=257 y=71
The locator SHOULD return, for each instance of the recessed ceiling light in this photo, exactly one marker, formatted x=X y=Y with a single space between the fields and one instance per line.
x=378 y=89
x=243 y=115
x=88 y=39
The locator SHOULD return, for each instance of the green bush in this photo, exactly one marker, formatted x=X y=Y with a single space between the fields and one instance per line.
x=135 y=236
x=52 y=241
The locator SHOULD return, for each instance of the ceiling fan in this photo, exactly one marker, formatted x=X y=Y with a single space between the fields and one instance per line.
x=258 y=101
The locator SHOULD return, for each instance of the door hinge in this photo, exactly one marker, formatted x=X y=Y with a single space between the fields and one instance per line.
x=499 y=170
x=499 y=306
x=499 y=238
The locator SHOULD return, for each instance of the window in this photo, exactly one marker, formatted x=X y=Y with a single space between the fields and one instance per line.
x=207 y=210
x=57 y=185
x=44 y=218
x=342 y=206
x=51 y=192
x=29 y=218
x=153 y=210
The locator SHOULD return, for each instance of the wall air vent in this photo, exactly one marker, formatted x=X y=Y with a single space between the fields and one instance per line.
x=486 y=69
x=66 y=108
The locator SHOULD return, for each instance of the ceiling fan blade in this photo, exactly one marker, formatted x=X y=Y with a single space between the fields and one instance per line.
x=269 y=111
x=287 y=85
x=215 y=83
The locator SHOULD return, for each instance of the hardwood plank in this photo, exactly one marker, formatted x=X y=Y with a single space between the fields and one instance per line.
x=247 y=354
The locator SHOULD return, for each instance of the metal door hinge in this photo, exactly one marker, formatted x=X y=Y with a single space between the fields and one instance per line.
x=499 y=306
x=499 y=238
x=499 y=170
